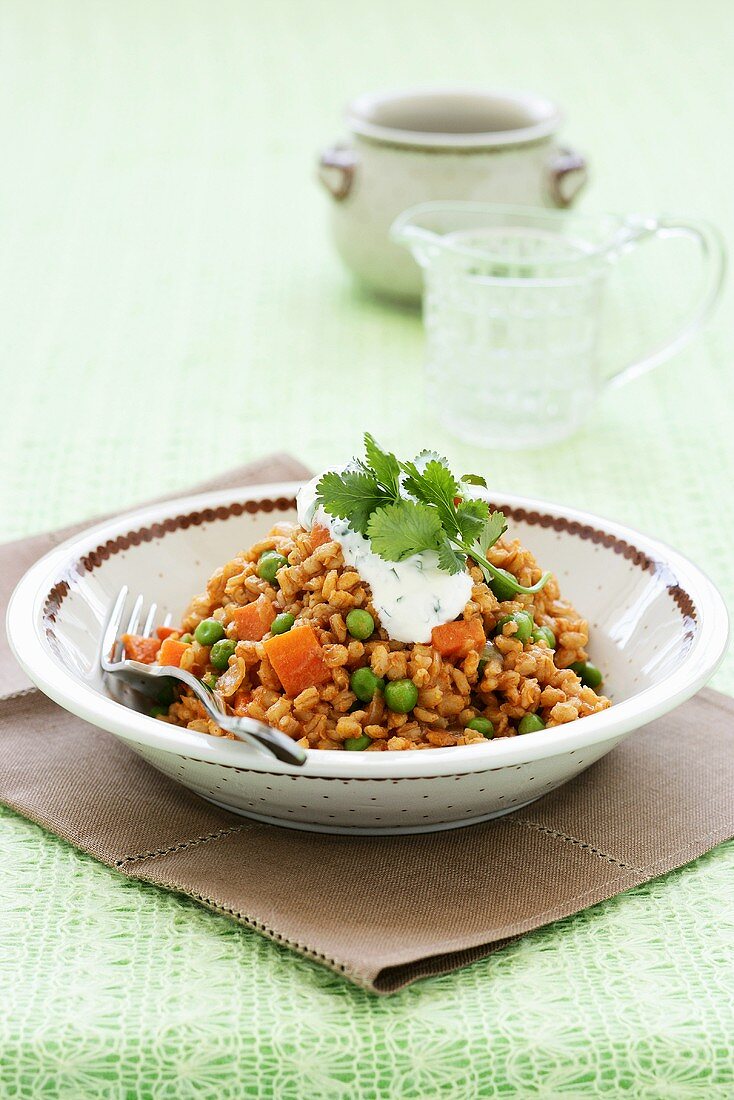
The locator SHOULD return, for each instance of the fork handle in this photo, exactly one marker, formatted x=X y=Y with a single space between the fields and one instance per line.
x=279 y=744
x=249 y=729
x=264 y=738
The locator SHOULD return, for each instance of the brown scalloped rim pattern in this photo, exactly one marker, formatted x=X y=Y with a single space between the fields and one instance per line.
x=95 y=558
x=102 y=553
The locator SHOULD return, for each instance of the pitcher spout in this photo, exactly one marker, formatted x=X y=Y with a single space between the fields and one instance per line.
x=407 y=230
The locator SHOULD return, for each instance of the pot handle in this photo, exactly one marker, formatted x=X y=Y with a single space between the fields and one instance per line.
x=567 y=174
x=337 y=167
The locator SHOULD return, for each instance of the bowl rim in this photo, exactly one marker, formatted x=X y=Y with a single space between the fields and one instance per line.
x=25 y=617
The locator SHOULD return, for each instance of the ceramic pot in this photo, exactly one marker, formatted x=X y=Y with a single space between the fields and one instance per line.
x=423 y=144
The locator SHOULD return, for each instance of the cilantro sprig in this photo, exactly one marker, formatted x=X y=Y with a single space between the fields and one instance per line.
x=404 y=508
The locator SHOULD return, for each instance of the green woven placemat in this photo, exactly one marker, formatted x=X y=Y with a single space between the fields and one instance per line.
x=170 y=307
x=105 y=981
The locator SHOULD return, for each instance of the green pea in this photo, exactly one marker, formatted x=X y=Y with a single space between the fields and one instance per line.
x=187 y=638
x=167 y=692
x=364 y=684
x=544 y=633
x=504 y=589
x=209 y=631
x=281 y=624
x=524 y=622
x=210 y=681
x=357 y=744
x=588 y=674
x=481 y=725
x=221 y=652
x=531 y=723
x=360 y=624
x=156 y=712
x=401 y=696
x=269 y=564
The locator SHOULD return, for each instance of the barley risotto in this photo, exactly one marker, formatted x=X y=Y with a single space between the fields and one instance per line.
x=396 y=614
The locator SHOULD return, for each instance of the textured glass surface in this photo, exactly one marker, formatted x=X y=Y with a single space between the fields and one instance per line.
x=170 y=306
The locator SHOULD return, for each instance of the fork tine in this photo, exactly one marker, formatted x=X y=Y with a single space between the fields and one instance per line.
x=109 y=638
x=168 y=619
x=149 y=620
x=132 y=623
x=264 y=737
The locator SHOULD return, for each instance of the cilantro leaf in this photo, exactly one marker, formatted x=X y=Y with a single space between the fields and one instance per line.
x=404 y=528
x=425 y=456
x=434 y=485
x=494 y=528
x=438 y=516
x=471 y=517
x=450 y=559
x=383 y=465
x=351 y=495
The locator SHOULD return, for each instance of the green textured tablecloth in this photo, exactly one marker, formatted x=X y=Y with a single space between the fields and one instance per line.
x=169 y=306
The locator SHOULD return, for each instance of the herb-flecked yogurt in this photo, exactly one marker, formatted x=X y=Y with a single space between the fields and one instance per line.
x=411 y=596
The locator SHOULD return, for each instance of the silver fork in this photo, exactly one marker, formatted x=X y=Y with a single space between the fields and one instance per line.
x=114 y=660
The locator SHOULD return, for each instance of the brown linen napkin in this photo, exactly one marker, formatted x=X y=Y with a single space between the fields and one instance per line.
x=382 y=911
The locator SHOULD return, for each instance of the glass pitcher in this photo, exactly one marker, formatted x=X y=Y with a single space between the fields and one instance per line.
x=512 y=309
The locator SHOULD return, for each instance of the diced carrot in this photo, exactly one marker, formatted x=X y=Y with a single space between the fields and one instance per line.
x=171 y=652
x=253 y=621
x=141 y=649
x=458 y=639
x=319 y=535
x=298 y=659
x=164 y=632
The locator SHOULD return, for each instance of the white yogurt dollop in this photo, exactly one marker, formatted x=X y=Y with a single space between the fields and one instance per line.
x=411 y=596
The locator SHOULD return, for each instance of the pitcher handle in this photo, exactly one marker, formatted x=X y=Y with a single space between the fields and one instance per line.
x=713 y=254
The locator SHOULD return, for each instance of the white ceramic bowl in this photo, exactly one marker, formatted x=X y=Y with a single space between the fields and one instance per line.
x=658 y=630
